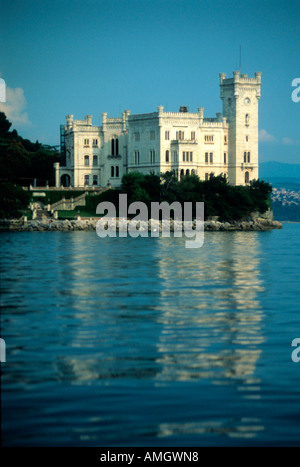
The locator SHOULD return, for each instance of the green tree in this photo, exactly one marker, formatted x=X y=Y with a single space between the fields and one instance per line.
x=4 y=125
x=13 y=200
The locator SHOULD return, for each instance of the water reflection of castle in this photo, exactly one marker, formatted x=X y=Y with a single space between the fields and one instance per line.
x=208 y=321
x=213 y=329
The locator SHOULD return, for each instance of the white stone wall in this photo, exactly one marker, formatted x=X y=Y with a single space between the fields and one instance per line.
x=143 y=137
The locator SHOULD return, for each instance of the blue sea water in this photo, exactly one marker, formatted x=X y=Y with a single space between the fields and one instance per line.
x=142 y=342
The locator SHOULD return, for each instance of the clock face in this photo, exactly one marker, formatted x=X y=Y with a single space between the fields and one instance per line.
x=247 y=100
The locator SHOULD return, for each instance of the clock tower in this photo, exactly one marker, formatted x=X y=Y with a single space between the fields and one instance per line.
x=240 y=96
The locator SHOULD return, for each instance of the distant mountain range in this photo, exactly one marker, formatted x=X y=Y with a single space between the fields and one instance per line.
x=280 y=174
x=286 y=206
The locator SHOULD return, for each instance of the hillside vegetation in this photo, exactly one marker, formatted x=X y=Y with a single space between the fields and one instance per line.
x=21 y=161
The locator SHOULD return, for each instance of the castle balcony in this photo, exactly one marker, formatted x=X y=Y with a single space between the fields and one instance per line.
x=248 y=166
x=184 y=141
x=114 y=156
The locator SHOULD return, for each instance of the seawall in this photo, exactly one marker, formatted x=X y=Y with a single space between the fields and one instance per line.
x=256 y=224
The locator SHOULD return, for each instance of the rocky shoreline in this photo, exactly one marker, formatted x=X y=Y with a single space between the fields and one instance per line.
x=54 y=225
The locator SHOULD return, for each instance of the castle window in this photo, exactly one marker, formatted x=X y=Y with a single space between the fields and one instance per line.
x=136 y=157
x=247 y=177
x=95 y=179
x=209 y=138
x=179 y=135
x=225 y=139
x=188 y=172
x=211 y=158
x=167 y=156
x=191 y=157
x=87 y=180
x=136 y=136
x=152 y=156
x=86 y=143
x=114 y=146
x=225 y=158
x=183 y=156
x=247 y=138
x=247 y=120
x=117 y=171
x=193 y=135
x=152 y=134
x=206 y=177
x=247 y=157
x=167 y=135
x=95 y=161
x=95 y=143
x=206 y=158
x=86 y=161
x=112 y=171
x=181 y=173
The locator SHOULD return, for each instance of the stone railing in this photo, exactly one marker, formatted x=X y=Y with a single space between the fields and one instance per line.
x=68 y=204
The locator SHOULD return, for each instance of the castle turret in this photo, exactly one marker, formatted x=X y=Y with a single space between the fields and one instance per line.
x=240 y=96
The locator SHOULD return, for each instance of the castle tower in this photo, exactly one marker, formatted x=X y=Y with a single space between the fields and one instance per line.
x=240 y=96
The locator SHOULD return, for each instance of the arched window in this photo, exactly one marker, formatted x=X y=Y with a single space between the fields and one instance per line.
x=117 y=171
x=136 y=157
x=112 y=171
x=245 y=156
x=167 y=156
x=114 y=146
x=247 y=177
x=248 y=156
x=181 y=173
x=152 y=156
x=188 y=172
x=247 y=119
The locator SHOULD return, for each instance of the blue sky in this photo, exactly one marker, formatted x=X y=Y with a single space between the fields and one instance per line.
x=89 y=57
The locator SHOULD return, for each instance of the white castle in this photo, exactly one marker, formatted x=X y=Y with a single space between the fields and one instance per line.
x=182 y=142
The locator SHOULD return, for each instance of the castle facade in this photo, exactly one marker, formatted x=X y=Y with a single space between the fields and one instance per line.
x=182 y=142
